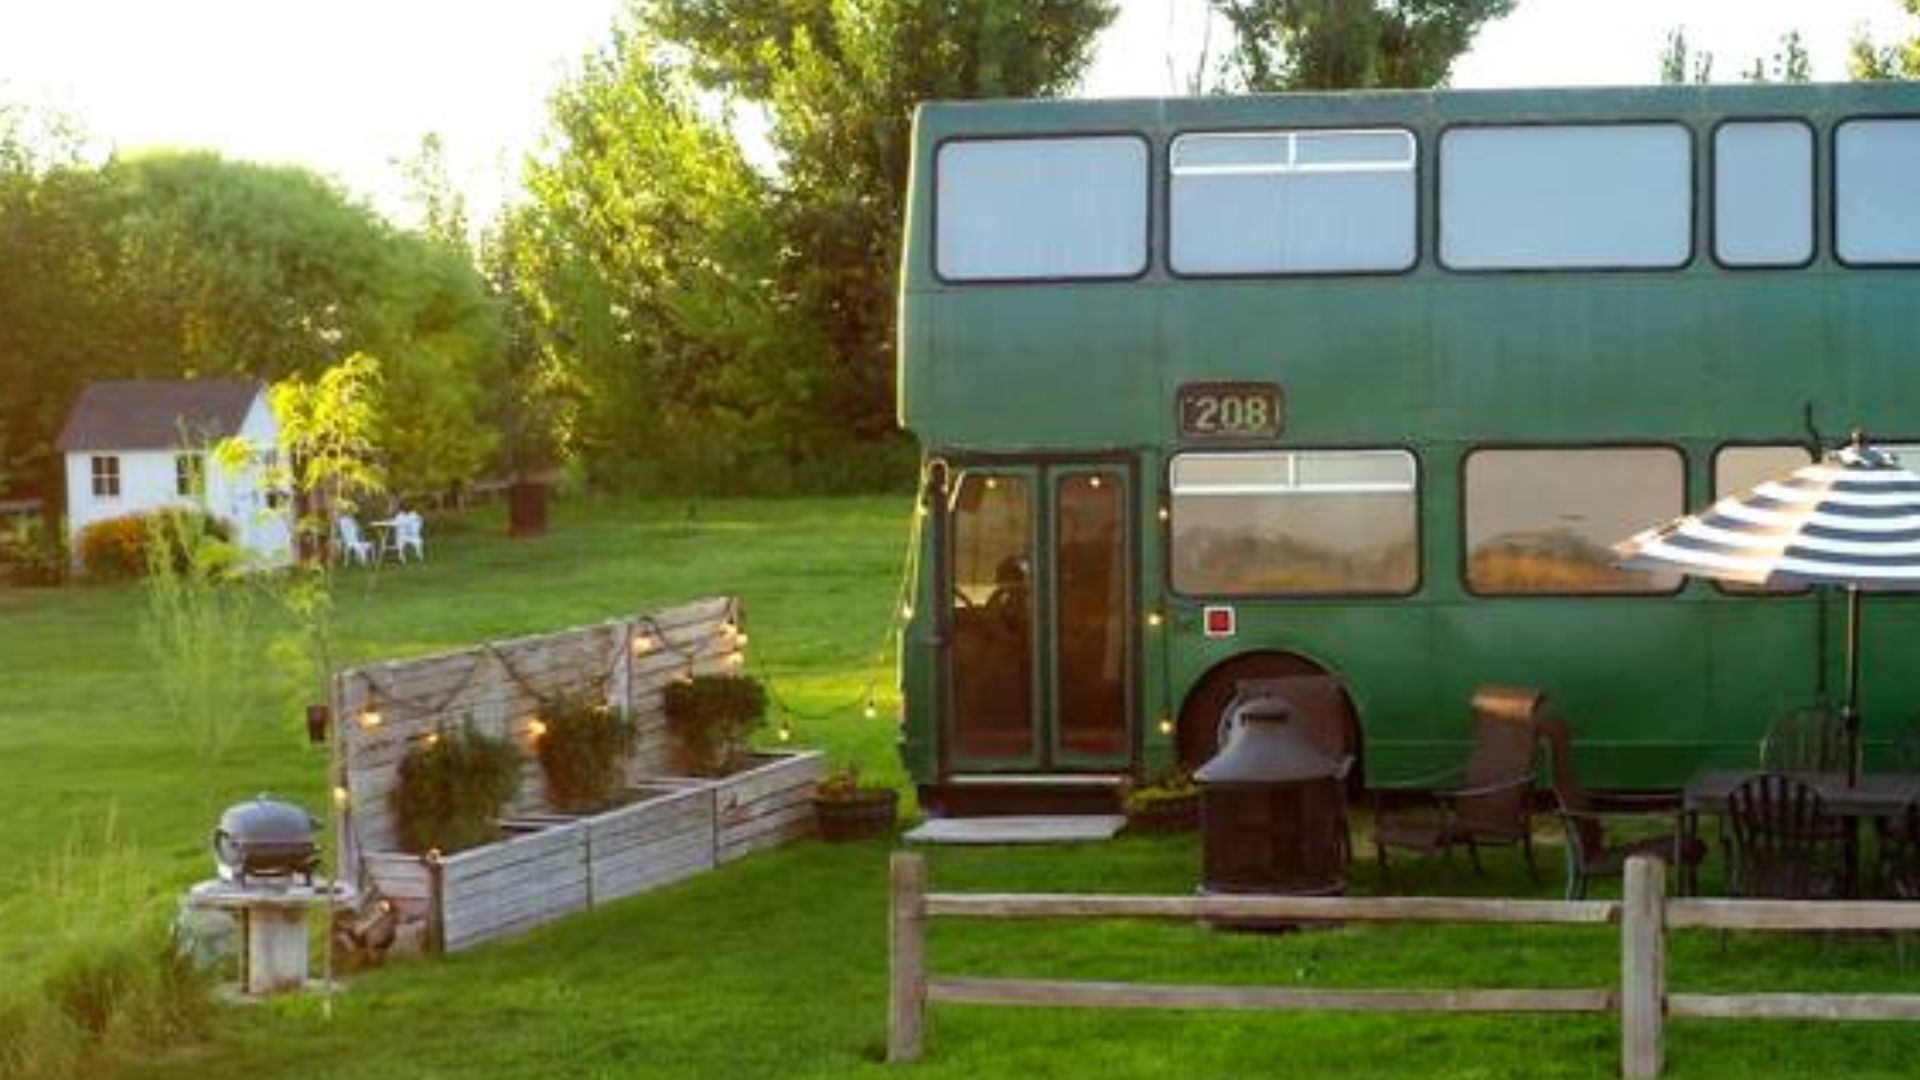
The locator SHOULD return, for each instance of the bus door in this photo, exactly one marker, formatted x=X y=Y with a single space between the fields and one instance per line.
x=1039 y=660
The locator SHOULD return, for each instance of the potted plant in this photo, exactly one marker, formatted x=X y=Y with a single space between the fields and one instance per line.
x=713 y=716
x=1170 y=804
x=583 y=752
x=846 y=811
x=452 y=788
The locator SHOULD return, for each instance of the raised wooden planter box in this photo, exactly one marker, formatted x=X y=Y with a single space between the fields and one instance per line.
x=766 y=805
x=552 y=865
x=664 y=838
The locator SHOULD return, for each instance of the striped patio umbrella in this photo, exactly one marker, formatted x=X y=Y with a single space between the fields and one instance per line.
x=1851 y=520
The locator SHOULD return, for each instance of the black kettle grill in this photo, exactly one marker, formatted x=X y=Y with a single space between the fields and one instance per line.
x=266 y=839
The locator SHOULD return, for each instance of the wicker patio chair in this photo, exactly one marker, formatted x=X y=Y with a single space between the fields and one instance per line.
x=1486 y=801
x=1600 y=839
x=1806 y=739
x=1781 y=842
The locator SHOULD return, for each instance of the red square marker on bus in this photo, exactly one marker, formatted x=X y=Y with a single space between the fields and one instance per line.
x=1218 y=620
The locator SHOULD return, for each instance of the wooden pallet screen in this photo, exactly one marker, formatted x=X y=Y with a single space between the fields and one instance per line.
x=550 y=865
x=384 y=710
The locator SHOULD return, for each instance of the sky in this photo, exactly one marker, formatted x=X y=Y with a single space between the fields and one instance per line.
x=351 y=86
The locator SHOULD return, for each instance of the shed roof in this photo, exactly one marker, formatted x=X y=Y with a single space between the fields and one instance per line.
x=157 y=414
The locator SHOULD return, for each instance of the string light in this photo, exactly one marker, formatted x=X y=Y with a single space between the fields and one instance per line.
x=537 y=728
x=433 y=739
x=1154 y=618
x=341 y=797
x=786 y=732
x=906 y=611
x=871 y=710
x=1166 y=724
x=1093 y=482
x=1165 y=514
x=643 y=644
x=369 y=718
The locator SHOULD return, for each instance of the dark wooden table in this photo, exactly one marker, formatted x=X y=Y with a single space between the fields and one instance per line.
x=1878 y=795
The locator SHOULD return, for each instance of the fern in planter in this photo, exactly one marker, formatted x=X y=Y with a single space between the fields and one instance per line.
x=714 y=715
x=452 y=789
x=584 y=753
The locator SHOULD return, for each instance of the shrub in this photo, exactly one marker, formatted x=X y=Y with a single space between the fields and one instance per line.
x=583 y=753
x=714 y=715
x=123 y=547
x=452 y=789
x=32 y=553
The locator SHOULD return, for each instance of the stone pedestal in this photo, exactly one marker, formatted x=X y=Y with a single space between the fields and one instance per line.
x=275 y=920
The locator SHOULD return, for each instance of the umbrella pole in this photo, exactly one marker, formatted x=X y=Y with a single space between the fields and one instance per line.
x=1851 y=713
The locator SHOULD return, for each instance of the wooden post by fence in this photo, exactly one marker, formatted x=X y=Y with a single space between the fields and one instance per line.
x=1643 y=969
x=907 y=967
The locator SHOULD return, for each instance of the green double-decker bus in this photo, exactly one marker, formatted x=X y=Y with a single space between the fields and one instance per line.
x=1367 y=385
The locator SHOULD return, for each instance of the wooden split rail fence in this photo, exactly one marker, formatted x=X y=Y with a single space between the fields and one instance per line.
x=1640 y=998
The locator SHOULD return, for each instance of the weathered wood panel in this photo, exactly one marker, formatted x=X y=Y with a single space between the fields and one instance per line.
x=499 y=889
x=667 y=838
x=767 y=805
x=1107 y=995
x=1438 y=909
x=1716 y=914
x=383 y=710
x=1796 y=1006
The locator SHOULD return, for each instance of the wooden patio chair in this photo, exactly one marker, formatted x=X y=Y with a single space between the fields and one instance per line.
x=1489 y=800
x=1600 y=839
x=1810 y=738
x=1781 y=842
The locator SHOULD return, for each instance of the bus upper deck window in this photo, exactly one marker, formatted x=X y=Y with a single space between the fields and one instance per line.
x=1292 y=202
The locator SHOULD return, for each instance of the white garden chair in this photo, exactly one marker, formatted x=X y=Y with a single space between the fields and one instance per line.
x=406 y=534
x=353 y=547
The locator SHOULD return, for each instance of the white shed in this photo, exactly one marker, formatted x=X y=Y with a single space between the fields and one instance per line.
x=142 y=444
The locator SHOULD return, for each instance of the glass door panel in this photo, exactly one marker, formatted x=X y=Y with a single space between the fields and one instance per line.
x=1091 y=615
x=991 y=543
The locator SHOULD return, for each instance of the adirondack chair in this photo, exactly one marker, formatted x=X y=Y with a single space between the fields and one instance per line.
x=1781 y=842
x=406 y=535
x=353 y=546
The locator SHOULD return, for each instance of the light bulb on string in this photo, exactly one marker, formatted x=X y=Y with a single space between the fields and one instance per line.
x=370 y=718
x=871 y=710
x=536 y=728
x=342 y=797
x=786 y=732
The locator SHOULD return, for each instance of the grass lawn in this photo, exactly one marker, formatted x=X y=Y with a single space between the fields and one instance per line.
x=776 y=966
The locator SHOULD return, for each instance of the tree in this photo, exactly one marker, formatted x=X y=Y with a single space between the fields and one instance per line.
x=1680 y=64
x=1871 y=62
x=1789 y=64
x=1351 y=44
x=748 y=316
x=186 y=264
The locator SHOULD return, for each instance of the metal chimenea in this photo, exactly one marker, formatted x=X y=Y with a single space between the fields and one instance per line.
x=1273 y=810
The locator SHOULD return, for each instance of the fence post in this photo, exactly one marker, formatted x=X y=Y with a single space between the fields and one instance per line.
x=907 y=956
x=1643 y=969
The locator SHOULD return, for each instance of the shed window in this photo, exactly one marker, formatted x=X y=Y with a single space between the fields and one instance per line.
x=1763 y=193
x=189 y=475
x=1566 y=197
x=1545 y=521
x=106 y=477
x=1876 y=217
x=1292 y=202
x=1038 y=209
x=1305 y=522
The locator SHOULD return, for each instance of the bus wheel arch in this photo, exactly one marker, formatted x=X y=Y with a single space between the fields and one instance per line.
x=1199 y=718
